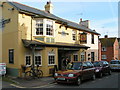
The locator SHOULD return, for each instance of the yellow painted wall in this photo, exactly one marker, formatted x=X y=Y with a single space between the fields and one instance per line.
x=63 y=38
x=10 y=35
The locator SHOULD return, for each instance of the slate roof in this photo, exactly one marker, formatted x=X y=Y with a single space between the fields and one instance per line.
x=33 y=11
x=107 y=42
x=28 y=43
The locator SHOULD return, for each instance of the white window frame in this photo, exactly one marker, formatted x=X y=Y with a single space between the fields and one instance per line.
x=73 y=35
x=51 y=54
x=104 y=57
x=39 y=22
x=30 y=60
x=49 y=22
x=35 y=60
x=104 y=49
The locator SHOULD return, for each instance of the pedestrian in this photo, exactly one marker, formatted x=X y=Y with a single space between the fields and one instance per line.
x=69 y=65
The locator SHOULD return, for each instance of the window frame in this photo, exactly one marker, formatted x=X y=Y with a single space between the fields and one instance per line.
x=74 y=57
x=104 y=49
x=48 y=59
x=9 y=56
x=39 y=22
x=35 y=59
x=104 y=56
x=30 y=60
x=92 y=39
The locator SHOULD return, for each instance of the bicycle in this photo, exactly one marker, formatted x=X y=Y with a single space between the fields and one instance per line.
x=33 y=73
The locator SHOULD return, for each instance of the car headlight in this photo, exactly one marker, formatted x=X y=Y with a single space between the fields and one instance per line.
x=56 y=74
x=71 y=75
x=97 y=70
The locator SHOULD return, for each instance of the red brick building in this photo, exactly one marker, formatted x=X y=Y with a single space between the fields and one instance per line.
x=119 y=47
x=109 y=48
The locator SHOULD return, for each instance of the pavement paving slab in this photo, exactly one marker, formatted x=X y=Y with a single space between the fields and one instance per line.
x=34 y=83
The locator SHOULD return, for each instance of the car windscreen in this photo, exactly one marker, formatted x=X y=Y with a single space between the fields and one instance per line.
x=76 y=66
x=115 y=62
x=96 y=64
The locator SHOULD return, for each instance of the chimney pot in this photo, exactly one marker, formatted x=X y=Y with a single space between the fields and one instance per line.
x=106 y=36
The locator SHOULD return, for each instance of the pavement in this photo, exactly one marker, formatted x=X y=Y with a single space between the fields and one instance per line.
x=34 y=83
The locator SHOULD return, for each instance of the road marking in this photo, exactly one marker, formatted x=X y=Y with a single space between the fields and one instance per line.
x=17 y=86
x=44 y=85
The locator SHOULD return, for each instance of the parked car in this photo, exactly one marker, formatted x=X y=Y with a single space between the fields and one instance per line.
x=101 y=67
x=78 y=72
x=115 y=64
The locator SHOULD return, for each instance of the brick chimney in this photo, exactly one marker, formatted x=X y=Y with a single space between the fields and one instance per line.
x=84 y=23
x=49 y=7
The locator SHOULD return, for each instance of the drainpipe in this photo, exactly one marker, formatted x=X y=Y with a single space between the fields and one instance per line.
x=33 y=55
x=31 y=28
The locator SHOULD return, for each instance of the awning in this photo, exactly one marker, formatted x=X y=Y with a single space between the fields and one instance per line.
x=61 y=46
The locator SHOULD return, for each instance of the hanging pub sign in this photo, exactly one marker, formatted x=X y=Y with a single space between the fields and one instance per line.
x=83 y=37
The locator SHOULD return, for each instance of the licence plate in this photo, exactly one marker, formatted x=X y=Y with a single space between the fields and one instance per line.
x=61 y=78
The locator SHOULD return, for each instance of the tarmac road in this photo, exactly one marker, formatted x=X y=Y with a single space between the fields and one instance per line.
x=107 y=81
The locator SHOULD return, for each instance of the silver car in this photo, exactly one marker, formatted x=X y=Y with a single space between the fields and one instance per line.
x=115 y=64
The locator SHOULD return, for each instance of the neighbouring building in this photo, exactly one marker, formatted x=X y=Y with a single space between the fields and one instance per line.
x=109 y=48
x=119 y=48
x=37 y=37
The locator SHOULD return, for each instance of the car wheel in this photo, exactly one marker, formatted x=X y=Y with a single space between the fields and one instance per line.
x=109 y=72
x=101 y=74
x=93 y=77
x=78 y=81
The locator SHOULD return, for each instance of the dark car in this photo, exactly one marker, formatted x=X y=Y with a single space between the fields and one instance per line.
x=101 y=67
x=78 y=72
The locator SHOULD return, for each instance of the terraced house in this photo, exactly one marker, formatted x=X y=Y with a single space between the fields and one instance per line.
x=38 y=37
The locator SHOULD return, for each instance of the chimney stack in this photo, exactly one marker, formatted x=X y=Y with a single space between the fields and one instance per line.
x=49 y=7
x=84 y=23
x=106 y=36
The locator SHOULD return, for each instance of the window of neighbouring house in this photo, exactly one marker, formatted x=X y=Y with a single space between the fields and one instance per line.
x=11 y=56
x=104 y=57
x=51 y=59
x=92 y=38
x=38 y=60
x=75 y=57
x=83 y=37
x=104 y=49
x=39 y=27
x=28 y=59
x=49 y=28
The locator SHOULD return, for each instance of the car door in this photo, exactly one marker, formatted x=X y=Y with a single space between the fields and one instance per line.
x=105 y=67
x=90 y=69
x=85 y=71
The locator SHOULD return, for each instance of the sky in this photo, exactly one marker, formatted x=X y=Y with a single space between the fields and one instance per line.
x=103 y=14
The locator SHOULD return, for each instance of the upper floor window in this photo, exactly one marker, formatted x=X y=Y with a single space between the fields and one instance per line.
x=11 y=56
x=92 y=38
x=104 y=49
x=83 y=37
x=73 y=35
x=49 y=27
x=39 y=27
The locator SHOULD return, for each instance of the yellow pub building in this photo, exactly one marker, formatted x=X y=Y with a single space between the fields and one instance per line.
x=38 y=37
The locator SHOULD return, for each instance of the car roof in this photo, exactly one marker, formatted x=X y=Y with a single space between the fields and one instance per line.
x=115 y=60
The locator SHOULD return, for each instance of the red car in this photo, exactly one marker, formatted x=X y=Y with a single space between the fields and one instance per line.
x=101 y=68
x=78 y=72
